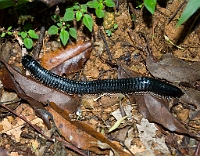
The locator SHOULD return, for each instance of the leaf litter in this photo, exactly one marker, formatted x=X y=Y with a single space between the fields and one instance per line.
x=152 y=107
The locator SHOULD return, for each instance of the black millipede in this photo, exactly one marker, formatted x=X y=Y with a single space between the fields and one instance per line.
x=126 y=85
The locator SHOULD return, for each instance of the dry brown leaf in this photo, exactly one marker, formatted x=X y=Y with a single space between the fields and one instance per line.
x=72 y=65
x=81 y=134
x=36 y=93
x=173 y=69
x=154 y=109
x=31 y=88
x=67 y=60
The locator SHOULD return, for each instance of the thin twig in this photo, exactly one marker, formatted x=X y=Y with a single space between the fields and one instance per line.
x=66 y=144
x=175 y=13
x=106 y=45
x=38 y=47
x=117 y=5
x=30 y=124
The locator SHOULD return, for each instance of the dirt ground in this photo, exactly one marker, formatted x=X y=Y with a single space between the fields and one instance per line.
x=138 y=47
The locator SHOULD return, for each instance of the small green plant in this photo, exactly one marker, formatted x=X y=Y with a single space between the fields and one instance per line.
x=110 y=31
x=139 y=4
x=78 y=12
x=28 y=35
x=63 y=27
x=6 y=32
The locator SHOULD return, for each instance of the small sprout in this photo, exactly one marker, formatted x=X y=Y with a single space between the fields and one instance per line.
x=168 y=40
x=116 y=125
x=109 y=33
x=8 y=32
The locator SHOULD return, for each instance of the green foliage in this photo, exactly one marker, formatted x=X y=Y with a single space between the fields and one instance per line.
x=69 y=15
x=63 y=26
x=53 y=30
x=109 y=3
x=110 y=31
x=88 y=22
x=64 y=36
x=11 y=3
x=150 y=5
x=27 y=36
x=191 y=7
x=6 y=32
x=78 y=12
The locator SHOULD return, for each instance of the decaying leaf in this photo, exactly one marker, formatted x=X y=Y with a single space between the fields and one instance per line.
x=173 y=69
x=81 y=134
x=36 y=93
x=147 y=134
x=68 y=60
x=10 y=99
x=155 y=110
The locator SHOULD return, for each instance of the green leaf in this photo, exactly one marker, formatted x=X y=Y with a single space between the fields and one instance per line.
x=150 y=5
x=110 y=3
x=32 y=34
x=22 y=1
x=3 y=34
x=28 y=42
x=69 y=15
x=191 y=7
x=100 y=13
x=109 y=33
x=23 y=34
x=93 y=4
x=84 y=8
x=53 y=30
x=73 y=33
x=64 y=36
x=9 y=33
x=9 y=28
x=76 y=6
x=59 y=24
x=88 y=22
x=115 y=26
x=101 y=6
x=78 y=15
x=6 y=3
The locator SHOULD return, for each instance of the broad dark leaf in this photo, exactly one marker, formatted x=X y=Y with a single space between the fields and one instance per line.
x=36 y=93
x=173 y=69
x=155 y=110
x=83 y=135
x=68 y=60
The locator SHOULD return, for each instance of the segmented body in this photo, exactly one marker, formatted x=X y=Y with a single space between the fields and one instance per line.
x=127 y=85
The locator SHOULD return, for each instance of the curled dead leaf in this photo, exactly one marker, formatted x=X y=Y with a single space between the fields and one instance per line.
x=82 y=135
x=36 y=93
x=155 y=110
x=68 y=60
x=173 y=69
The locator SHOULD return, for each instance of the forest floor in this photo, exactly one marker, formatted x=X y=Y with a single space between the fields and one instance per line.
x=150 y=124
